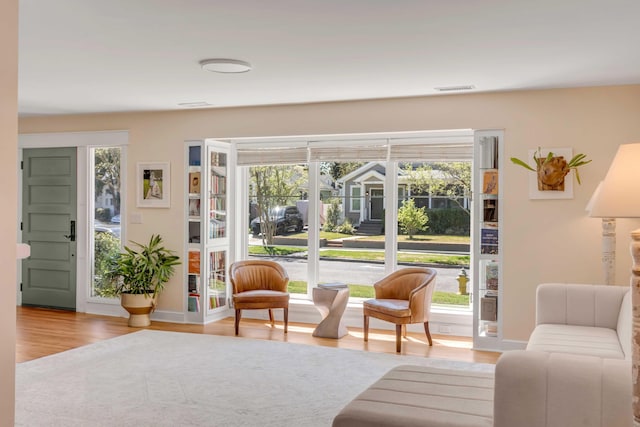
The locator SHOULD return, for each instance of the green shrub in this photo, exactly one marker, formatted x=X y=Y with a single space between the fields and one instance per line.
x=107 y=247
x=453 y=221
x=103 y=214
x=412 y=219
x=346 y=227
x=333 y=215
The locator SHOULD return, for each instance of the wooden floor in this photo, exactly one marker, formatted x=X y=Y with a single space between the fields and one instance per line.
x=41 y=332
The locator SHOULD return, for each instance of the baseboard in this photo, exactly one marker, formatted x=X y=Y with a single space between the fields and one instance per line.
x=508 y=345
x=442 y=322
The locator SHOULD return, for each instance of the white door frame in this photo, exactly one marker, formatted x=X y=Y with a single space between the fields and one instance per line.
x=83 y=141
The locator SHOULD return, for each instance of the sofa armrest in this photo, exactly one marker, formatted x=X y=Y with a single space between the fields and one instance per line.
x=579 y=304
x=539 y=389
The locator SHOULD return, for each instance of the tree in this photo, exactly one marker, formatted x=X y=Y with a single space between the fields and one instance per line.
x=333 y=215
x=449 y=179
x=411 y=218
x=274 y=186
x=339 y=169
x=107 y=174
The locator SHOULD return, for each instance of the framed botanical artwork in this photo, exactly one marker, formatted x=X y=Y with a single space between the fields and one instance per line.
x=553 y=179
x=153 y=185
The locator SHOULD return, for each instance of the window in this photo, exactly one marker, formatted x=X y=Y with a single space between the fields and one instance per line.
x=105 y=216
x=354 y=184
x=355 y=200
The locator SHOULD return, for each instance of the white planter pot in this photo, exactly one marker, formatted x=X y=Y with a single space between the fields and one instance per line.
x=139 y=307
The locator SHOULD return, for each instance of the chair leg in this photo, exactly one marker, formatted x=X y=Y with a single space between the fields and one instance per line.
x=271 y=317
x=238 y=315
x=398 y=338
x=366 y=328
x=404 y=331
x=426 y=329
x=286 y=319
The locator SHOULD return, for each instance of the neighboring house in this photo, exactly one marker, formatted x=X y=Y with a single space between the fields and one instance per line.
x=363 y=193
x=105 y=200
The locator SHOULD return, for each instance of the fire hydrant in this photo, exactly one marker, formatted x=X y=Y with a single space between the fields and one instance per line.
x=463 y=279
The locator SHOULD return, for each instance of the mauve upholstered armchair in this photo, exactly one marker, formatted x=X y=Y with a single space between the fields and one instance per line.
x=259 y=285
x=403 y=297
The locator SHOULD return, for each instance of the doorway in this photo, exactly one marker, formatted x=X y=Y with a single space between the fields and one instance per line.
x=49 y=221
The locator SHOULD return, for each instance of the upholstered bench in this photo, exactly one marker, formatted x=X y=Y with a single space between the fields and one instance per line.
x=410 y=396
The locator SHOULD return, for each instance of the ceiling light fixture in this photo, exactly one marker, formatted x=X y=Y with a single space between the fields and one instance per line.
x=220 y=65
x=454 y=88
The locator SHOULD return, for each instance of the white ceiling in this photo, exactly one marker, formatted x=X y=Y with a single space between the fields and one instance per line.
x=83 y=56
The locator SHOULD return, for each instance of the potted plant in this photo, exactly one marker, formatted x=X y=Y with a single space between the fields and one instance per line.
x=551 y=169
x=140 y=275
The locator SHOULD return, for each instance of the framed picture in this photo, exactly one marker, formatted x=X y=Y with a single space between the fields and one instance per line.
x=555 y=185
x=153 y=185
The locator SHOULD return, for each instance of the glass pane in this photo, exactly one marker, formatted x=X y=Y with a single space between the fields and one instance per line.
x=352 y=237
x=217 y=280
x=106 y=217
x=434 y=225
x=218 y=196
x=278 y=206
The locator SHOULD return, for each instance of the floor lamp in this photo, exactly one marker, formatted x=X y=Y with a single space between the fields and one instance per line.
x=619 y=197
x=608 y=242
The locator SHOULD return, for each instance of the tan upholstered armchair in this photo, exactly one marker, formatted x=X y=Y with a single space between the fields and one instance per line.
x=402 y=297
x=259 y=285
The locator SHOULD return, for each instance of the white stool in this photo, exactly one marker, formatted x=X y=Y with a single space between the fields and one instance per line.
x=331 y=301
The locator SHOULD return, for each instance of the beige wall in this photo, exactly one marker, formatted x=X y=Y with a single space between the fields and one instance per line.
x=544 y=240
x=8 y=201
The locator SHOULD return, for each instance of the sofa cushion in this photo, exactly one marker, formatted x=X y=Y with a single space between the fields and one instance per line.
x=412 y=396
x=572 y=339
x=624 y=326
x=576 y=304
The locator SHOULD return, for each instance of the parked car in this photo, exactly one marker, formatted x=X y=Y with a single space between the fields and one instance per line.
x=286 y=218
x=115 y=231
x=116 y=219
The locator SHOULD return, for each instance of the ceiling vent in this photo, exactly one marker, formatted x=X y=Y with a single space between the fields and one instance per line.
x=454 y=88
x=196 y=104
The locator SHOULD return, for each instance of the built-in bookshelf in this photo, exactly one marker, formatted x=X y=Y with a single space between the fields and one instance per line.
x=487 y=255
x=206 y=286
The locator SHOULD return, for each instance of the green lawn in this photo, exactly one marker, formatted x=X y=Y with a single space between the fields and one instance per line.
x=275 y=250
x=423 y=238
x=422 y=258
x=364 y=291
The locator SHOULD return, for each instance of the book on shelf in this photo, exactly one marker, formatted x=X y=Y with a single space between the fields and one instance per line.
x=194 y=232
x=489 y=308
x=194 y=283
x=489 y=152
x=490 y=210
x=194 y=207
x=194 y=262
x=491 y=271
x=489 y=241
x=193 y=303
x=491 y=329
x=194 y=182
x=490 y=181
x=194 y=156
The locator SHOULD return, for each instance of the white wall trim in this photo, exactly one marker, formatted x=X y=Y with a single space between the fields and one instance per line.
x=83 y=141
x=73 y=139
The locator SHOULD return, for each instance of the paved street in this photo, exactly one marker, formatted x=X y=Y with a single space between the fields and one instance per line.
x=358 y=272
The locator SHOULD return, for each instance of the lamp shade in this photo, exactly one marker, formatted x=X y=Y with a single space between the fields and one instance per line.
x=619 y=194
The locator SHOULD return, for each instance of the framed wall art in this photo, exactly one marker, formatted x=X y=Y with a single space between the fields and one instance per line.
x=153 y=185
x=553 y=179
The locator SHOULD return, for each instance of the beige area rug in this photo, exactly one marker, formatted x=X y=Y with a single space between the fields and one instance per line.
x=153 y=378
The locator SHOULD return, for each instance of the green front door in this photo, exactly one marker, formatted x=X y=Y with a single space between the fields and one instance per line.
x=49 y=226
x=377 y=203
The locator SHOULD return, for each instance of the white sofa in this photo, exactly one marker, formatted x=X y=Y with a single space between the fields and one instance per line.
x=591 y=320
x=576 y=370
